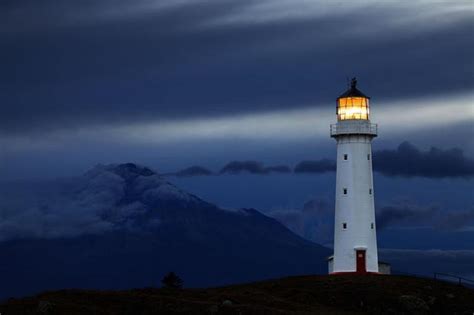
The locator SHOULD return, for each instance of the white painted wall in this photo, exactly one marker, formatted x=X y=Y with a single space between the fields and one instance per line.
x=356 y=208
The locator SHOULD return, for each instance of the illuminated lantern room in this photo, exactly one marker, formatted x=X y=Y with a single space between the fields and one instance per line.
x=353 y=104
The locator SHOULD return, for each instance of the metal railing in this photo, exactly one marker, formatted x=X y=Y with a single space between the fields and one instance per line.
x=439 y=276
x=453 y=278
x=353 y=128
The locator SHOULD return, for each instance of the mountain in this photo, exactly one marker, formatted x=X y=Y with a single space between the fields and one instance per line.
x=125 y=226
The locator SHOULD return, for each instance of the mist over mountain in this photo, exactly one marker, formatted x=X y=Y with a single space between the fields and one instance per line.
x=123 y=226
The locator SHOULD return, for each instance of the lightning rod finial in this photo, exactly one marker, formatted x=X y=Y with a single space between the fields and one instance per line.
x=353 y=82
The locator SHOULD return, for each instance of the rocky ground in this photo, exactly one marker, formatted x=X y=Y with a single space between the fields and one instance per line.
x=293 y=295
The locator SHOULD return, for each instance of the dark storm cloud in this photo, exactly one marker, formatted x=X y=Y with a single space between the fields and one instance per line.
x=112 y=62
x=321 y=166
x=252 y=167
x=407 y=160
x=235 y=167
x=193 y=171
x=432 y=216
x=278 y=169
x=395 y=215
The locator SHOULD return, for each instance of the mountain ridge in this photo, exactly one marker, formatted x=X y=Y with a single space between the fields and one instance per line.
x=134 y=226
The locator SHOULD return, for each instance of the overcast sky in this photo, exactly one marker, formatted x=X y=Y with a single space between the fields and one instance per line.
x=149 y=71
x=176 y=83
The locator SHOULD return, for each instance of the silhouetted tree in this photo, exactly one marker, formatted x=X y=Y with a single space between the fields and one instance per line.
x=171 y=280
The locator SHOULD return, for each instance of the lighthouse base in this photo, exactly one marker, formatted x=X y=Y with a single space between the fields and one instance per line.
x=384 y=269
x=353 y=273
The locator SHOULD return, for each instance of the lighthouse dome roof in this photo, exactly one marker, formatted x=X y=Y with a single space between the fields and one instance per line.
x=353 y=91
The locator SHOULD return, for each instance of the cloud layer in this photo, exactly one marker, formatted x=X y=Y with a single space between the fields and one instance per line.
x=105 y=198
x=252 y=167
x=407 y=214
x=315 y=221
x=407 y=160
x=193 y=171
x=320 y=166
x=193 y=59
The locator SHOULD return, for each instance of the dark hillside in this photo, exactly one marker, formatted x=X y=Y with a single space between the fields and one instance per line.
x=294 y=295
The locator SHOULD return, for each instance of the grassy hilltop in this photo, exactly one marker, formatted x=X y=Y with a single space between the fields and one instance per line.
x=293 y=295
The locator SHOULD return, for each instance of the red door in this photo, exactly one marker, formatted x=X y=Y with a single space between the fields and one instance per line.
x=360 y=259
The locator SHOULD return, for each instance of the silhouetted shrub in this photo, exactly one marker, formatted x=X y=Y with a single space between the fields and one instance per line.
x=172 y=281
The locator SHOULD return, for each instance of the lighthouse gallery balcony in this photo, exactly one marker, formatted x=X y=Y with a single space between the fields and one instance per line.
x=356 y=127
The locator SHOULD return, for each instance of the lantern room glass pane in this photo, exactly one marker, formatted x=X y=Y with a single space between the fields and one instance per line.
x=353 y=108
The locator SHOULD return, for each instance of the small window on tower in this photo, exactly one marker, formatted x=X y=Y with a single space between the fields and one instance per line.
x=345 y=157
x=344 y=191
x=344 y=226
x=368 y=157
x=370 y=191
x=372 y=225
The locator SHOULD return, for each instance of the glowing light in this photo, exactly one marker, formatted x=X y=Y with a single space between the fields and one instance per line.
x=353 y=108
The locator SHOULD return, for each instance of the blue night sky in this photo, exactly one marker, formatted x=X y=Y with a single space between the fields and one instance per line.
x=175 y=83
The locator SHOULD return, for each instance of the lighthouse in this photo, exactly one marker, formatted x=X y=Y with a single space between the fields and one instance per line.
x=355 y=239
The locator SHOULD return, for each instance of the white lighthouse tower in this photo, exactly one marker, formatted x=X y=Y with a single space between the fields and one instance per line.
x=355 y=239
